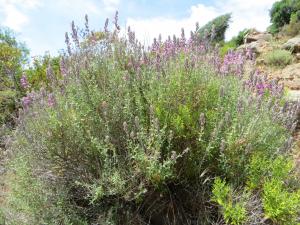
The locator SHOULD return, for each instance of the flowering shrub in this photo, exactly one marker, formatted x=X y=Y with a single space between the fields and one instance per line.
x=280 y=58
x=135 y=135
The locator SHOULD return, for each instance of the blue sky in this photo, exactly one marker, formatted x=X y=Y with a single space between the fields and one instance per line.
x=43 y=23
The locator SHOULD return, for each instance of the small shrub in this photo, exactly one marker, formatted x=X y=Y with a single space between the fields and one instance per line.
x=258 y=169
x=234 y=211
x=262 y=167
x=279 y=58
x=228 y=46
x=233 y=43
x=280 y=205
x=34 y=201
x=239 y=39
x=7 y=106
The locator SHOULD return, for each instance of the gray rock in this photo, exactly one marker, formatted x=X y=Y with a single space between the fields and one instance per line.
x=257 y=36
x=257 y=46
x=293 y=45
x=290 y=75
x=293 y=95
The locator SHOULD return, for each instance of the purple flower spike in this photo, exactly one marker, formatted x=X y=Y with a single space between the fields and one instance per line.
x=24 y=82
x=116 y=21
x=51 y=100
x=106 y=25
x=26 y=101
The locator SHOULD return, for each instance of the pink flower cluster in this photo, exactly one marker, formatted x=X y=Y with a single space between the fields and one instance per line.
x=24 y=82
x=260 y=84
x=233 y=63
x=39 y=97
x=28 y=99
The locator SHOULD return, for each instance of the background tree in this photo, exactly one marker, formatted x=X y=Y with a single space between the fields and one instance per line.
x=281 y=13
x=215 y=29
x=13 y=56
x=37 y=72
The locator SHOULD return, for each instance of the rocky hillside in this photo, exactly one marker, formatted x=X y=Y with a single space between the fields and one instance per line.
x=278 y=57
x=285 y=68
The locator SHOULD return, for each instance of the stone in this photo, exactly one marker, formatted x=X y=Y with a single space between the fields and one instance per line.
x=258 y=47
x=292 y=70
x=254 y=36
x=293 y=45
x=293 y=85
x=293 y=95
x=290 y=76
x=298 y=56
x=260 y=61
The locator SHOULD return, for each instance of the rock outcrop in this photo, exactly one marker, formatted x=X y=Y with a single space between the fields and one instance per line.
x=254 y=36
x=258 y=42
x=258 y=46
x=290 y=76
x=293 y=45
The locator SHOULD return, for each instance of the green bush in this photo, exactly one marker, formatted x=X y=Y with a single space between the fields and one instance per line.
x=215 y=29
x=281 y=13
x=13 y=55
x=239 y=39
x=7 y=105
x=234 y=42
x=280 y=205
x=279 y=58
x=37 y=72
x=262 y=168
x=234 y=212
x=293 y=28
x=32 y=201
x=231 y=45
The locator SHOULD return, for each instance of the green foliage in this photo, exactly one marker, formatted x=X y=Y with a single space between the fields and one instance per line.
x=280 y=205
x=230 y=45
x=34 y=201
x=234 y=212
x=279 y=58
x=293 y=28
x=239 y=39
x=281 y=13
x=215 y=29
x=7 y=105
x=258 y=169
x=37 y=72
x=261 y=168
x=13 y=55
x=280 y=201
x=234 y=42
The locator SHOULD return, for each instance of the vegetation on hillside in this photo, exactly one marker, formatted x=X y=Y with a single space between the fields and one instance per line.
x=13 y=55
x=278 y=58
x=283 y=13
x=215 y=29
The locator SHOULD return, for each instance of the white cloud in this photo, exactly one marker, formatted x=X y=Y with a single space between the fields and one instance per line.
x=147 y=29
x=77 y=6
x=14 y=12
x=98 y=7
x=245 y=14
x=29 y=4
x=111 y=5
